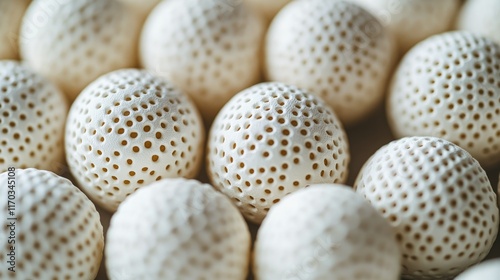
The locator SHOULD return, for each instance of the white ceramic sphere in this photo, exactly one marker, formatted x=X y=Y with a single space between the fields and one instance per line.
x=488 y=270
x=326 y=232
x=412 y=21
x=32 y=117
x=439 y=201
x=273 y=139
x=481 y=17
x=448 y=86
x=128 y=129
x=73 y=42
x=57 y=233
x=336 y=50
x=11 y=14
x=209 y=49
x=177 y=229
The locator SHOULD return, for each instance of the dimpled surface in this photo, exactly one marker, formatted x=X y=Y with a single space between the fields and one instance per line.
x=481 y=17
x=411 y=21
x=270 y=140
x=439 y=201
x=32 y=117
x=449 y=86
x=488 y=270
x=74 y=42
x=335 y=49
x=177 y=229
x=11 y=14
x=130 y=128
x=58 y=231
x=326 y=232
x=209 y=48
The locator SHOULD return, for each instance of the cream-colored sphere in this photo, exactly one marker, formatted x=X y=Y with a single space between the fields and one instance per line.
x=412 y=21
x=481 y=17
x=209 y=49
x=488 y=270
x=11 y=14
x=326 y=232
x=438 y=200
x=448 y=86
x=74 y=42
x=177 y=229
x=130 y=128
x=334 y=49
x=32 y=118
x=271 y=140
x=57 y=233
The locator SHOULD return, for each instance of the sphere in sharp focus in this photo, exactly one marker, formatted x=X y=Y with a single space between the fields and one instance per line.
x=210 y=49
x=177 y=229
x=335 y=49
x=481 y=17
x=32 y=117
x=449 y=87
x=412 y=21
x=57 y=233
x=326 y=232
x=128 y=129
x=488 y=270
x=273 y=139
x=439 y=201
x=11 y=14
x=74 y=42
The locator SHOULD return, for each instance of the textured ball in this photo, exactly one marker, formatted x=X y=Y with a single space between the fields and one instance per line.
x=267 y=8
x=336 y=50
x=438 y=199
x=57 y=234
x=210 y=49
x=412 y=21
x=32 y=117
x=481 y=17
x=449 y=86
x=11 y=14
x=128 y=129
x=488 y=270
x=184 y=230
x=74 y=42
x=326 y=232
x=273 y=139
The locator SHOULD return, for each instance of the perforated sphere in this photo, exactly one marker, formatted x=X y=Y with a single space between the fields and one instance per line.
x=449 y=86
x=439 y=201
x=488 y=270
x=130 y=128
x=74 y=42
x=481 y=17
x=11 y=14
x=326 y=232
x=336 y=50
x=184 y=230
x=210 y=49
x=57 y=232
x=412 y=21
x=32 y=116
x=273 y=139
